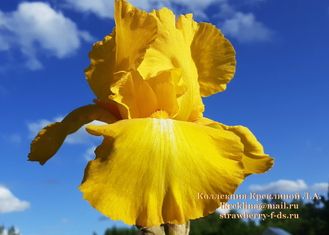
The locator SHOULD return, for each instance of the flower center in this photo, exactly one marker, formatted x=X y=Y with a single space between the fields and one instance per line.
x=160 y=114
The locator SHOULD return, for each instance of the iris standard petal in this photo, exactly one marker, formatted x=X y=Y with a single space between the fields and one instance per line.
x=151 y=171
x=51 y=137
x=254 y=159
x=101 y=69
x=134 y=32
x=171 y=50
x=122 y=50
x=141 y=98
x=212 y=53
x=214 y=57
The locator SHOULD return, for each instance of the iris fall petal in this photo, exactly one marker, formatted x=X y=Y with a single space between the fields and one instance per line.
x=150 y=171
x=254 y=160
x=51 y=137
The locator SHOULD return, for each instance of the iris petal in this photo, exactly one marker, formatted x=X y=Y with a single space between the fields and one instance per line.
x=150 y=171
x=254 y=159
x=214 y=57
x=141 y=98
x=135 y=31
x=172 y=50
x=51 y=137
x=102 y=64
x=123 y=50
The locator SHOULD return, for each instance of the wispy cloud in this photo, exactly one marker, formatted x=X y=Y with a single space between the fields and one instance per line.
x=35 y=126
x=105 y=8
x=10 y=203
x=36 y=29
x=320 y=187
x=289 y=186
x=33 y=28
x=197 y=7
x=79 y=137
x=101 y=8
x=243 y=26
x=89 y=154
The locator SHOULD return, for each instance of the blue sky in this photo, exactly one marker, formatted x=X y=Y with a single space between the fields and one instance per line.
x=280 y=91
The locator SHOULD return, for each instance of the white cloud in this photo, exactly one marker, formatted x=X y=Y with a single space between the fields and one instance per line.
x=101 y=8
x=10 y=203
x=245 y=28
x=36 y=28
x=320 y=187
x=280 y=186
x=89 y=154
x=289 y=186
x=82 y=136
x=149 y=4
x=36 y=126
x=197 y=3
x=239 y=25
x=79 y=137
x=196 y=6
x=105 y=8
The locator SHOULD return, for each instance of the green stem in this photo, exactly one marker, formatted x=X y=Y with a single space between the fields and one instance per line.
x=166 y=229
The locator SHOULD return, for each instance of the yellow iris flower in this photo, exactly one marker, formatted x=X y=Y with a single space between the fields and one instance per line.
x=159 y=152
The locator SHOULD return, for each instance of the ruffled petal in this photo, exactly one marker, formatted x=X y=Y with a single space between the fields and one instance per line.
x=168 y=87
x=188 y=27
x=134 y=94
x=141 y=98
x=122 y=50
x=51 y=137
x=172 y=50
x=254 y=159
x=101 y=69
x=152 y=171
x=135 y=31
x=214 y=57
